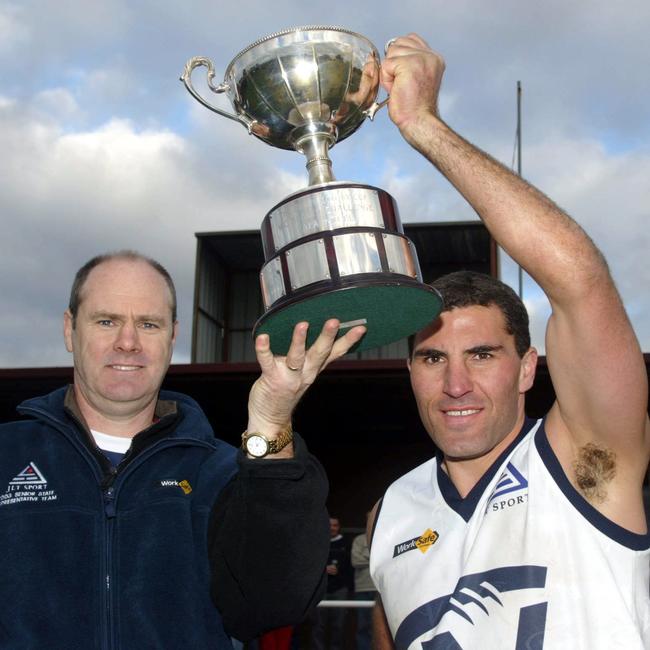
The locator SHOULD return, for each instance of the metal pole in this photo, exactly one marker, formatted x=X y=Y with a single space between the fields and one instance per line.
x=357 y=604
x=520 y=273
x=519 y=128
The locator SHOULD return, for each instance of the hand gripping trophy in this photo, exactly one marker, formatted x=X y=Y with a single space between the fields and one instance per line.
x=334 y=249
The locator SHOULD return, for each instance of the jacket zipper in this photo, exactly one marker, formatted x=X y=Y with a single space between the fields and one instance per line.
x=111 y=488
x=109 y=513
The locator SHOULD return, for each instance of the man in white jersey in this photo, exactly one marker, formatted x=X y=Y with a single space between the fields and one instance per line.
x=519 y=534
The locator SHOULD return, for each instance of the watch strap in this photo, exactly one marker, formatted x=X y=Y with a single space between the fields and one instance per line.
x=274 y=445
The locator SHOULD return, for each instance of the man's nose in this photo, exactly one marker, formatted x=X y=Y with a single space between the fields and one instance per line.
x=458 y=381
x=128 y=339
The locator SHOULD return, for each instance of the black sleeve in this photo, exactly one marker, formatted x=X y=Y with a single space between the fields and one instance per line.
x=268 y=543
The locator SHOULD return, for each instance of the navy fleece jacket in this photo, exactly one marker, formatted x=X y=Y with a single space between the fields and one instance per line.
x=186 y=543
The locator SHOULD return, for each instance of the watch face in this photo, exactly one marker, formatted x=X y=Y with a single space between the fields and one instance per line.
x=257 y=446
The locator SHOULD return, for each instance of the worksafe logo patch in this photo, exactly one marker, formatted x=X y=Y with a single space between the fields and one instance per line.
x=422 y=543
x=172 y=482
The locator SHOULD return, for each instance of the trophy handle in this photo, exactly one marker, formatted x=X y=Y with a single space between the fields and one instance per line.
x=370 y=112
x=186 y=78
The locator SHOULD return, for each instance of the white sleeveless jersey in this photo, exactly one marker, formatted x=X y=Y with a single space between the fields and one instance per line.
x=524 y=562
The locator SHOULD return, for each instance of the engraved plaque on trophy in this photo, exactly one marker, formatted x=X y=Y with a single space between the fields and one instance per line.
x=333 y=249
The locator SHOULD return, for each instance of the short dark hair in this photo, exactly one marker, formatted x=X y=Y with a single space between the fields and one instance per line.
x=468 y=288
x=130 y=255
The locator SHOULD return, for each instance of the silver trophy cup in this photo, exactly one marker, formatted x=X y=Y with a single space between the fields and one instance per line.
x=334 y=249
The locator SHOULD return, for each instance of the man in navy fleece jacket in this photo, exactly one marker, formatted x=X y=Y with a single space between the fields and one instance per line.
x=124 y=522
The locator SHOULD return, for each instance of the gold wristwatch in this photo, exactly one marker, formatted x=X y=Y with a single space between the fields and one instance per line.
x=258 y=445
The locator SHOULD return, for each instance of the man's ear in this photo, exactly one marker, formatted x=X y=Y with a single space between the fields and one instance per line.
x=527 y=370
x=67 y=329
x=174 y=332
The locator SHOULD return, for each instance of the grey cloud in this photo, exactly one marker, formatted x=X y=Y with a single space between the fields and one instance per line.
x=74 y=195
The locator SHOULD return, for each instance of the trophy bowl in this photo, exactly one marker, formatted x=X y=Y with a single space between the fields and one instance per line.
x=299 y=82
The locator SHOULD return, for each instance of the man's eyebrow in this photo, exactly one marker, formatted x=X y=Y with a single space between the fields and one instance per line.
x=151 y=318
x=105 y=315
x=480 y=349
x=429 y=352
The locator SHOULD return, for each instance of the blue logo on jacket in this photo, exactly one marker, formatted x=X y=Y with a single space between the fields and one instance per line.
x=511 y=480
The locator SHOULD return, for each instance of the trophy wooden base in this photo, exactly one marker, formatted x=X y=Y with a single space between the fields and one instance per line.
x=389 y=310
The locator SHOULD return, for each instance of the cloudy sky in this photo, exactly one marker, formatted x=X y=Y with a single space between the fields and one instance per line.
x=102 y=148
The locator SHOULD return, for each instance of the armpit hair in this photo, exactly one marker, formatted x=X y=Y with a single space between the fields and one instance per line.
x=595 y=467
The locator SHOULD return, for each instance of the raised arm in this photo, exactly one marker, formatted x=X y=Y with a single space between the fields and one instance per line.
x=593 y=355
x=269 y=529
x=284 y=380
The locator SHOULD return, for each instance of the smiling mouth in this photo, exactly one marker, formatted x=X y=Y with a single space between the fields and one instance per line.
x=462 y=413
x=125 y=368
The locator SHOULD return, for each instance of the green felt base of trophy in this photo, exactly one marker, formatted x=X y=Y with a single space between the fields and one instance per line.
x=391 y=312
